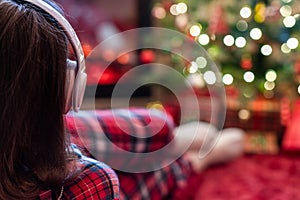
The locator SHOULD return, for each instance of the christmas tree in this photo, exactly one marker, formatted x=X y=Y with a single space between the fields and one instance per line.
x=254 y=42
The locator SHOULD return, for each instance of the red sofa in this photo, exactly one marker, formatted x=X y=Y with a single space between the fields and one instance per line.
x=102 y=133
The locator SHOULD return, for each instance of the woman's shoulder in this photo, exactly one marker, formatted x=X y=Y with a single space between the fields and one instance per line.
x=93 y=179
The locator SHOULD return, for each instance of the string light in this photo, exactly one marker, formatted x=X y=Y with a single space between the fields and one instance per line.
x=181 y=8
x=245 y=12
x=177 y=9
x=285 y=10
x=193 y=68
x=203 y=39
x=249 y=77
x=227 y=79
x=255 y=33
x=173 y=10
x=244 y=114
x=195 y=30
x=292 y=43
x=228 y=40
x=285 y=49
x=201 y=62
x=271 y=76
x=240 y=42
x=269 y=85
x=159 y=12
x=266 y=50
x=210 y=77
x=289 y=21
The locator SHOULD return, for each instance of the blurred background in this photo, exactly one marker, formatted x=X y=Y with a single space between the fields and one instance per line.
x=254 y=43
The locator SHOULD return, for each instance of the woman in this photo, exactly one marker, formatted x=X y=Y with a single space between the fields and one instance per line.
x=36 y=160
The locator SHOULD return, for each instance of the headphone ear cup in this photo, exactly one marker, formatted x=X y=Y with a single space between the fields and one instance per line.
x=70 y=78
x=79 y=89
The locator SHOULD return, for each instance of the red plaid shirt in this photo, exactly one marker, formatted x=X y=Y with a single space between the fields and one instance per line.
x=95 y=181
x=156 y=185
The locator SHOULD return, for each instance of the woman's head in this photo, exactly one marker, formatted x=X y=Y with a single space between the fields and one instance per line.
x=33 y=53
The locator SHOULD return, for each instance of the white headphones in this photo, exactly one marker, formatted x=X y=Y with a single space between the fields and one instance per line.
x=76 y=83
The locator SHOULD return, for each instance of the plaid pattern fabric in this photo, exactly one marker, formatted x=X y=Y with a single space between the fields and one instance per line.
x=95 y=180
x=158 y=185
x=122 y=128
x=137 y=130
x=107 y=134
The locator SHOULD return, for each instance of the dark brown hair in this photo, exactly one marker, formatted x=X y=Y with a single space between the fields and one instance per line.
x=33 y=52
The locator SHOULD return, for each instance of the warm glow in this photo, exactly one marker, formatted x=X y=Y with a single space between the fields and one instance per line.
x=201 y=62
x=228 y=40
x=285 y=49
x=266 y=50
x=292 y=43
x=269 y=85
x=181 y=8
x=210 y=77
x=286 y=10
x=271 y=76
x=249 y=77
x=240 y=42
x=196 y=80
x=244 y=114
x=255 y=33
x=123 y=59
x=193 y=68
x=227 y=79
x=289 y=21
x=195 y=30
x=181 y=21
x=159 y=12
x=173 y=10
x=245 y=12
x=203 y=39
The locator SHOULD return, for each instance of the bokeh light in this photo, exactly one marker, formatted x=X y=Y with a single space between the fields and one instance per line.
x=181 y=8
x=210 y=77
x=292 y=43
x=203 y=39
x=159 y=12
x=266 y=50
x=285 y=49
x=242 y=25
x=289 y=21
x=249 y=76
x=228 y=40
x=269 y=85
x=271 y=75
x=240 y=42
x=227 y=79
x=245 y=12
x=201 y=62
x=195 y=30
x=286 y=10
x=255 y=33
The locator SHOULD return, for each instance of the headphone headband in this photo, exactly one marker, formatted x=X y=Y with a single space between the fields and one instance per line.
x=80 y=80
